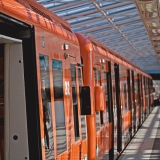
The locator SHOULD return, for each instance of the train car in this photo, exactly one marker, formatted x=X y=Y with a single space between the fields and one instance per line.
x=63 y=96
x=111 y=123
x=40 y=77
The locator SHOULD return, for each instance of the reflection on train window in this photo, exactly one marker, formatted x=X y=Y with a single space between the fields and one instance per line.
x=97 y=83
x=83 y=122
x=136 y=92
x=47 y=108
x=95 y=77
x=106 y=95
x=74 y=100
x=59 y=105
x=141 y=93
x=97 y=121
x=125 y=97
x=99 y=77
x=114 y=98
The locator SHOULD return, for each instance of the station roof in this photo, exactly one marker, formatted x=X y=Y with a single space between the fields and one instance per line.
x=121 y=25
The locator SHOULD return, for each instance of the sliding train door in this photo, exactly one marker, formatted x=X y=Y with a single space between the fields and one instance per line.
x=14 y=141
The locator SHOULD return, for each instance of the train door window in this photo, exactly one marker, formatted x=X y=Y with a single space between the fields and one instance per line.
x=74 y=101
x=97 y=121
x=106 y=95
x=121 y=97
x=141 y=93
x=114 y=97
x=131 y=91
x=83 y=119
x=47 y=108
x=99 y=78
x=59 y=106
x=96 y=77
x=125 y=96
x=99 y=82
x=136 y=92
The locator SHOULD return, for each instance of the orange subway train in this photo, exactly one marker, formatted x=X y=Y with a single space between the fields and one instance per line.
x=64 y=96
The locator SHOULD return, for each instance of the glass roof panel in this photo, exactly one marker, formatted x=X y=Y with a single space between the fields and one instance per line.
x=116 y=24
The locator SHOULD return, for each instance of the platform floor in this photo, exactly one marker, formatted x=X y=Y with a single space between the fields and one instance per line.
x=146 y=142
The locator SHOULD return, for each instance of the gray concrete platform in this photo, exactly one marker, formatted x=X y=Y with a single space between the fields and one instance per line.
x=146 y=142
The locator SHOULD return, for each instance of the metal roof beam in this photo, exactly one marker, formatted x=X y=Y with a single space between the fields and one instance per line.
x=129 y=20
x=121 y=14
x=130 y=26
x=83 y=23
x=133 y=30
x=88 y=30
x=114 y=25
x=104 y=32
x=81 y=14
x=116 y=5
x=56 y=8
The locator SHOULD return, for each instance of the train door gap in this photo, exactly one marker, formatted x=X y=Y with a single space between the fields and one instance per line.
x=118 y=105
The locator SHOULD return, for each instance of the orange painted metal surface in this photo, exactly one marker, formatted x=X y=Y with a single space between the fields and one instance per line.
x=92 y=54
x=86 y=50
x=24 y=14
x=99 y=98
x=53 y=49
x=127 y=120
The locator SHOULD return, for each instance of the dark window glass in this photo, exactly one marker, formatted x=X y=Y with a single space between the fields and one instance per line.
x=74 y=100
x=101 y=117
x=83 y=122
x=47 y=108
x=59 y=105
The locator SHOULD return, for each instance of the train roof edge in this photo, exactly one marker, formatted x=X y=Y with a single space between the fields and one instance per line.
x=110 y=53
x=30 y=12
x=102 y=46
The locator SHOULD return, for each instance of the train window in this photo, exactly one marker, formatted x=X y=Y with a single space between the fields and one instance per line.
x=125 y=97
x=59 y=105
x=47 y=107
x=74 y=100
x=136 y=92
x=106 y=95
x=101 y=117
x=95 y=77
x=97 y=121
x=114 y=97
x=83 y=122
x=141 y=93
x=99 y=77
x=97 y=83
